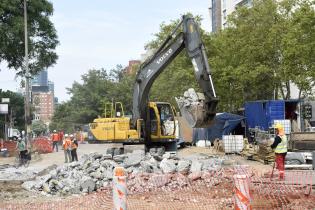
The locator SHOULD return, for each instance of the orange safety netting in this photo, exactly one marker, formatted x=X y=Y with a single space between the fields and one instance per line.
x=42 y=145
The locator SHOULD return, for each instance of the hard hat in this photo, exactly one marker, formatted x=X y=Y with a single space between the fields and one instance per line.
x=278 y=126
x=66 y=135
x=54 y=131
x=71 y=135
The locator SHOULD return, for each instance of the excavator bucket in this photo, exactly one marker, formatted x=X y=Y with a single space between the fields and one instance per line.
x=195 y=109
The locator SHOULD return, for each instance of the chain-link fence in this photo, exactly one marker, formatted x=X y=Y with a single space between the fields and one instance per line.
x=218 y=189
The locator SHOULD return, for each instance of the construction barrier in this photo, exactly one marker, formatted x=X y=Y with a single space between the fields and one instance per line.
x=10 y=146
x=120 y=189
x=42 y=145
x=242 y=194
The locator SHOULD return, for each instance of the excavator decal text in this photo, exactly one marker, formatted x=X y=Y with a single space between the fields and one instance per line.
x=165 y=55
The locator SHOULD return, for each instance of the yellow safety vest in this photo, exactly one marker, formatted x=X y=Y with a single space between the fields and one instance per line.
x=282 y=146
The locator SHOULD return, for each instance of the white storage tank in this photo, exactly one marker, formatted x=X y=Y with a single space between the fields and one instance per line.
x=233 y=143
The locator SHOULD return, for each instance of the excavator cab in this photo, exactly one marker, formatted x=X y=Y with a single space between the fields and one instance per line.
x=113 y=110
x=162 y=121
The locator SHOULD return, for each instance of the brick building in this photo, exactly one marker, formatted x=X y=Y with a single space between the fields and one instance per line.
x=131 y=65
x=43 y=103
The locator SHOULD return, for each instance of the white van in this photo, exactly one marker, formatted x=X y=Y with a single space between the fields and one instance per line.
x=13 y=134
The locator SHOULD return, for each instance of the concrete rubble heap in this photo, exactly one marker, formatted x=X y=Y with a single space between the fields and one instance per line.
x=145 y=172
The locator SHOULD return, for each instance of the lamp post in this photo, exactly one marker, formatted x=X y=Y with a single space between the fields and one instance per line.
x=27 y=76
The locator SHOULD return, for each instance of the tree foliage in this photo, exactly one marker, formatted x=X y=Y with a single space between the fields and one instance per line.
x=42 y=34
x=16 y=105
x=88 y=99
x=265 y=48
x=178 y=75
x=39 y=127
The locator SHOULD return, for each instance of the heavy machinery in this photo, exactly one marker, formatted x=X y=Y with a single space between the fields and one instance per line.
x=153 y=123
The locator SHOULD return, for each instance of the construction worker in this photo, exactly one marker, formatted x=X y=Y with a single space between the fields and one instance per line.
x=21 y=147
x=67 y=148
x=74 y=146
x=55 y=139
x=280 y=147
x=61 y=135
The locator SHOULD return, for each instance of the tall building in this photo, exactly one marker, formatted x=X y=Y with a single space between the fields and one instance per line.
x=215 y=15
x=41 y=79
x=220 y=9
x=43 y=103
x=51 y=86
x=229 y=6
x=43 y=99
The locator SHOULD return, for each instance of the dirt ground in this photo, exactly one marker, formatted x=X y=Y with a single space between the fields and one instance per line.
x=11 y=191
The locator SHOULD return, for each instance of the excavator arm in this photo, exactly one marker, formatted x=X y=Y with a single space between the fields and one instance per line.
x=203 y=114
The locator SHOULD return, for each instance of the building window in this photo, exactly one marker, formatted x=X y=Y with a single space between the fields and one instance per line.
x=224 y=14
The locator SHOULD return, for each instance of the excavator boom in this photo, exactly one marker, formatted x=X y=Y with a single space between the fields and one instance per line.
x=200 y=114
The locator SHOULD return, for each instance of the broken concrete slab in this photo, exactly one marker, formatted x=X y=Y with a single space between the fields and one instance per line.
x=87 y=184
x=168 y=166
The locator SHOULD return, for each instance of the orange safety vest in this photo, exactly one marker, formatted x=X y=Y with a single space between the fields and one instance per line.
x=73 y=145
x=55 y=137
x=67 y=143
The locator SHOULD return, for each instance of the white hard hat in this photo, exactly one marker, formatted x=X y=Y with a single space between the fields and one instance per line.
x=71 y=135
x=55 y=131
x=66 y=135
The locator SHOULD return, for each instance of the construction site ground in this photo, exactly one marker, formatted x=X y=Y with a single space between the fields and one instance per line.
x=11 y=191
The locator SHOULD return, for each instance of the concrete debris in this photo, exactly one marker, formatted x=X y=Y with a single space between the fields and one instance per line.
x=87 y=184
x=168 y=166
x=196 y=166
x=192 y=106
x=183 y=166
x=29 y=185
x=145 y=172
x=190 y=98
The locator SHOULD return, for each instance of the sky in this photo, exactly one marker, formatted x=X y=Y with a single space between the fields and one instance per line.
x=104 y=33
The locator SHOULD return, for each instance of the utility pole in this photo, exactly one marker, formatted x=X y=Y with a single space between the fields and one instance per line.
x=27 y=76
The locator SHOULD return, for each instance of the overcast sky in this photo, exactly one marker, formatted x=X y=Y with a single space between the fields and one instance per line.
x=102 y=34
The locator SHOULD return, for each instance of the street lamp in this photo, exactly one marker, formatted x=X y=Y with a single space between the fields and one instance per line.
x=27 y=76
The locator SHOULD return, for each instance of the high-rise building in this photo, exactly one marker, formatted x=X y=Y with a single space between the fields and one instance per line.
x=41 y=79
x=43 y=99
x=220 y=9
x=215 y=15
x=229 y=6
x=51 y=86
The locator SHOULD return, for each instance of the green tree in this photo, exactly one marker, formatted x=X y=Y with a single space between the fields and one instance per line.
x=42 y=34
x=88 y=98
x=62 y=119
x=39 y=127
x=178 y=75
x=16 y=108
x=255 y=57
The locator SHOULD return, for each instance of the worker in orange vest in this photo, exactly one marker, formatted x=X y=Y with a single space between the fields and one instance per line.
x=74 y=146
x=55 y=139
x=67 y=148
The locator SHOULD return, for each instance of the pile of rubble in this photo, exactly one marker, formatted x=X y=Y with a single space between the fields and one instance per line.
x=146 y=172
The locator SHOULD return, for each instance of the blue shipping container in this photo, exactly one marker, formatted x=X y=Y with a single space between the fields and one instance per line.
x=263 y=113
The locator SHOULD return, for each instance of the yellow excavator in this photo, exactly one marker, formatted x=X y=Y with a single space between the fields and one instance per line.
x=153 y=123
